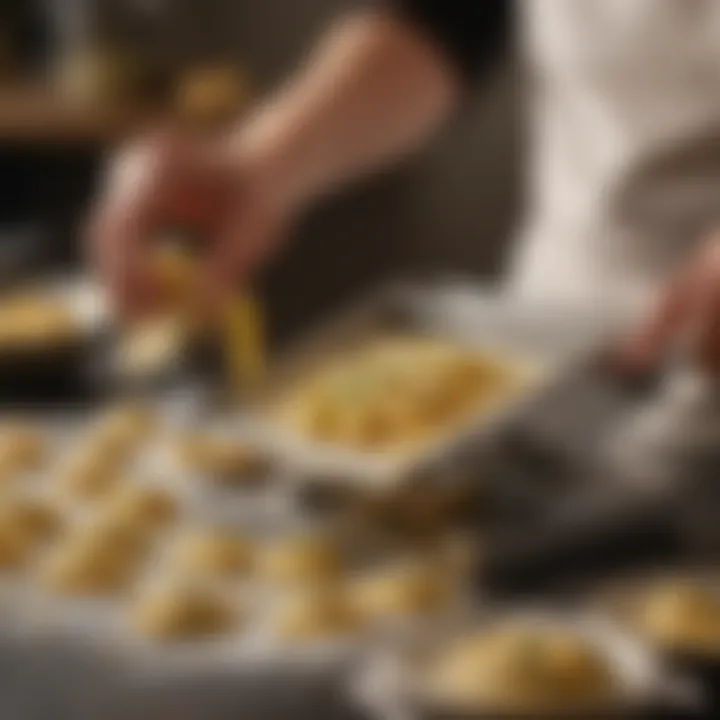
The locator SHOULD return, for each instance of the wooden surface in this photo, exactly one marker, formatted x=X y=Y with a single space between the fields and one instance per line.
x=33 y=112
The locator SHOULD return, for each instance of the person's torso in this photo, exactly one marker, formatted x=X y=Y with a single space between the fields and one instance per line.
x=625 y=173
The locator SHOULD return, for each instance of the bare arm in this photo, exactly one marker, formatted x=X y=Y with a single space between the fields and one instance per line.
x=377 y=87
x=373 y=90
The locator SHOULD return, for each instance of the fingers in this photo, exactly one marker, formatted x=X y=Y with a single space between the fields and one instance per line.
x=704 y=323
x=243 y=244
x=148 y=188
x=171 y=184
x=120 y=222
x=647 y=345
x=688 y=313
x=251 y=228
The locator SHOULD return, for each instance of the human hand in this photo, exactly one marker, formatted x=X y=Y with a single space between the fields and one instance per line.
x=688 y=313
x=168 y=182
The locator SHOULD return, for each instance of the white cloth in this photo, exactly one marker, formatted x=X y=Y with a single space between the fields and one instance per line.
x=626 y=140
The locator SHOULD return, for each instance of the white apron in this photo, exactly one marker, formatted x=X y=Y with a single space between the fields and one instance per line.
x=625 y=173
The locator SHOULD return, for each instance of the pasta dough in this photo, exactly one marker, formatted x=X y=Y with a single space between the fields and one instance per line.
x=152 y=346
x=22 y=449
x=301 y=559
x=682 y=615
x=517 y=668
x=393 y=392
x=140 y=508
x=90 y=563
x=218 y=553
x=123 y=429
x=89 y=475
x=131 y=540
x=225 y=459
x=402 y=590
x=177 y=611
x=319 y=613
x=15 y=544
x=24 y=524
x=176 y=271
x=37 y=520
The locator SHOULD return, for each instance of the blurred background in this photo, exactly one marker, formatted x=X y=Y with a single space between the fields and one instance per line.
x=538 y=494
x=79 y=76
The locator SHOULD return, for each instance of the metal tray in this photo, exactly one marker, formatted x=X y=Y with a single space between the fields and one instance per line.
x=395 y=685
x=540 y=344
x=90 y=665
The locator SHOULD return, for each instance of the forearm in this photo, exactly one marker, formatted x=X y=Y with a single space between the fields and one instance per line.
x=373 y=91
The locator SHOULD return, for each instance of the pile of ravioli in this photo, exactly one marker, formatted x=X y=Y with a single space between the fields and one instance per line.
x=86 y=522
x=395 y=392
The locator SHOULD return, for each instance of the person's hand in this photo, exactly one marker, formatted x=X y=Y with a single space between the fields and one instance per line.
x=172 y=182
x=688 y=313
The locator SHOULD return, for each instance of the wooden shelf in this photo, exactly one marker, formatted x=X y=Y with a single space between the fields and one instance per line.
x=34 y=112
